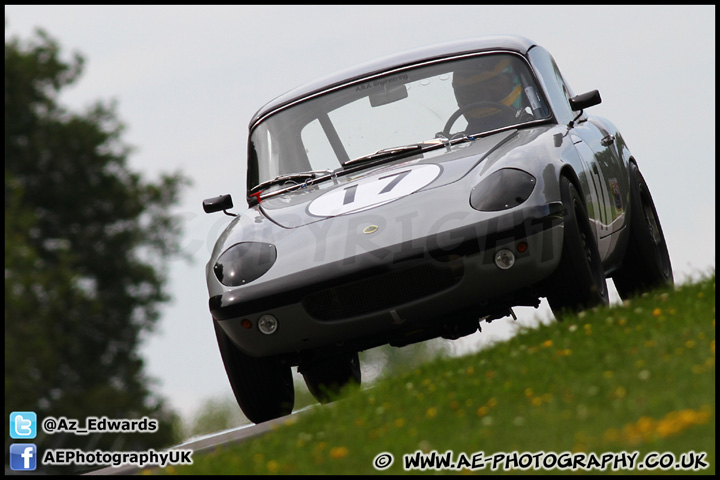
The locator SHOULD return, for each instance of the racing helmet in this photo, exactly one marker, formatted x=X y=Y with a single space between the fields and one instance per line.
x=489 y=78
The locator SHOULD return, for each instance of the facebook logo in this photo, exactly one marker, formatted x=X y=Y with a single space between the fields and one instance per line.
x=23 y=425
x=23 y=456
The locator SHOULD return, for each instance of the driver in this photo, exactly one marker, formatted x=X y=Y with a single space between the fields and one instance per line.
x=490 y=90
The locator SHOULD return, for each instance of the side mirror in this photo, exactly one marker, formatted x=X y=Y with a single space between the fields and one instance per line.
x=216 y=204
x=585 y=100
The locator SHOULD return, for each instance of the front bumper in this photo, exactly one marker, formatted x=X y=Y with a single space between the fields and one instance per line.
x=364 y=303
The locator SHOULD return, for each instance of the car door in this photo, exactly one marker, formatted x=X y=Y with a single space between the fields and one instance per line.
x=604 y=167
x=606 y=180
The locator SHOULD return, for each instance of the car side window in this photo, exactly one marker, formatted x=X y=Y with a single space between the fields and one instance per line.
x=558 y=92
x=565 y=86
x=562 y=82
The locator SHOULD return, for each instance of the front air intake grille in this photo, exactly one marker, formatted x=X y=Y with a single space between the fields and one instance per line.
x=383 y=291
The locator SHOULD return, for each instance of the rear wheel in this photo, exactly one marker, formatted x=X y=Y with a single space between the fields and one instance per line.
x=646 y=264
x=263 y=387
x=579 y=281
x=325 y=378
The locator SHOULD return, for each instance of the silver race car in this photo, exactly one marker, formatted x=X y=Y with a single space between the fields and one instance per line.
x=412 y=198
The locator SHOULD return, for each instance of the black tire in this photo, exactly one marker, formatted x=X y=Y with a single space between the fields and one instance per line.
x=263 y=387
x=326 y=378
x=646 y=264
x=579 y=281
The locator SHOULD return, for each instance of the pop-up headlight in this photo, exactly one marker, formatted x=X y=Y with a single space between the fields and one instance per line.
x=503 y=189
x=244 y=262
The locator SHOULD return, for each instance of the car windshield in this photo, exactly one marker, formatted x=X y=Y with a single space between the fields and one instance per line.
x=413 y=106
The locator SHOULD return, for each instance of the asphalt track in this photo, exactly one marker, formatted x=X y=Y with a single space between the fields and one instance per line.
x=206 y=442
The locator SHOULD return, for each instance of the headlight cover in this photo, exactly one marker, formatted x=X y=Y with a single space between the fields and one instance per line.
x=503 y=189
x=244 y=262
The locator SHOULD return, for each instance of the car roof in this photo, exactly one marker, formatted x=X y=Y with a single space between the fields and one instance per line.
x=496 y=42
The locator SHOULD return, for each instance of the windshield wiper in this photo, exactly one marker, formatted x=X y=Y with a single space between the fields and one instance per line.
x=404 y=150
x=290 y=177
x=389 y=153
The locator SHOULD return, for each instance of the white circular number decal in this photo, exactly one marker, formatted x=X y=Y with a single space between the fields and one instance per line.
x=374 y=190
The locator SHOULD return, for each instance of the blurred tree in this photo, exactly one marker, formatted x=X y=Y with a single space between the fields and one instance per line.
x=216 y=414
x=86 y=241
x=383 y=361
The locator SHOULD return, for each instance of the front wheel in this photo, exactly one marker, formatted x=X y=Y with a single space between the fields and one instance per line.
x=263 y=387
x=326 y=378
x=646 y=264
x=579 y=280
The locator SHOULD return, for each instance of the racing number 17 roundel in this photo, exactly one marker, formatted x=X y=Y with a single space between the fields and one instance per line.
x=374 y=190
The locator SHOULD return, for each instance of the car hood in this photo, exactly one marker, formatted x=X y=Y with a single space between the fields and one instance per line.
x=379 y=185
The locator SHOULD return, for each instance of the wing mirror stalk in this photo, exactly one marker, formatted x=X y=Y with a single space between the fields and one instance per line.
x=215 y=204
x=583 y=101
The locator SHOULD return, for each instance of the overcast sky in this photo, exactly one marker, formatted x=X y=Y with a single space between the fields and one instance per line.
x=187 y=79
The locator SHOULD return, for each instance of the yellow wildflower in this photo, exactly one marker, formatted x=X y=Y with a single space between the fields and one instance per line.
x=339 y=452
x=272 y=466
